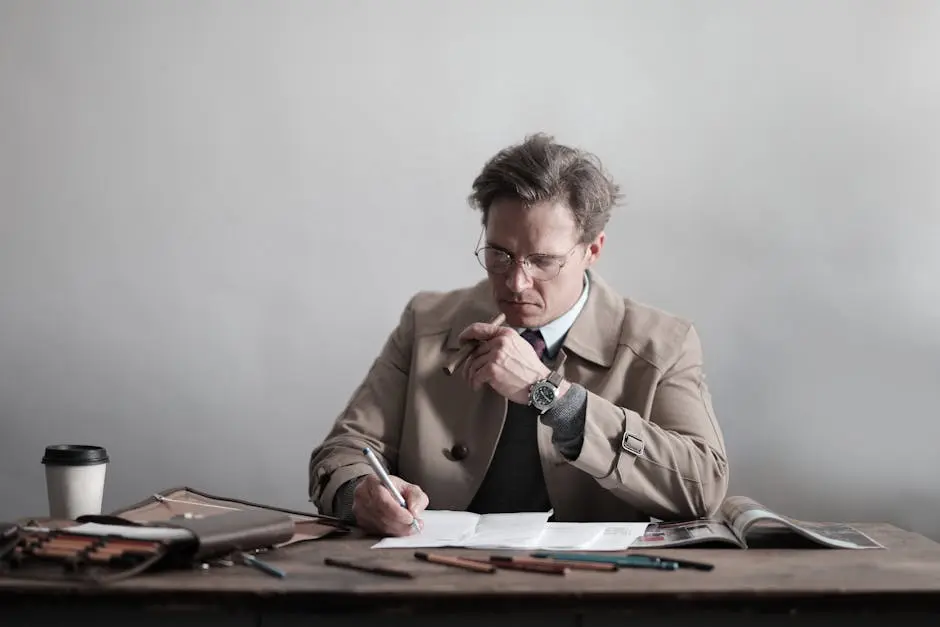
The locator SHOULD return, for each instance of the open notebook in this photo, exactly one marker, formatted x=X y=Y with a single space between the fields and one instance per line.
x=523 y=531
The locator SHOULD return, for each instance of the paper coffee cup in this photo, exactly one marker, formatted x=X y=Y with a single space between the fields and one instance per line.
x=75 y=479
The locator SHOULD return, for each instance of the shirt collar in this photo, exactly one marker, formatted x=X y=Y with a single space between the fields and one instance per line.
x=554 y=332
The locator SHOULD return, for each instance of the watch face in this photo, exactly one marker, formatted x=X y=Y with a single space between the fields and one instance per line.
x=543 y=395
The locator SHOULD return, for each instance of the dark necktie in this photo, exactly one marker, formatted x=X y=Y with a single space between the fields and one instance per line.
x=534 y=337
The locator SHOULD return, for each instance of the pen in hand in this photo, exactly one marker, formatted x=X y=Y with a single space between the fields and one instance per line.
x=387 y=482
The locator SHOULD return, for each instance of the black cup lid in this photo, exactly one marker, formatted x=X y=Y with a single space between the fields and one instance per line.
x=74 y=455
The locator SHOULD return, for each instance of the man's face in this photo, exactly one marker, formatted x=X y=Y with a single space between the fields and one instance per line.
x=549 y=231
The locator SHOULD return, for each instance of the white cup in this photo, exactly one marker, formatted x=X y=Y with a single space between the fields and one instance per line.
x=75 y=479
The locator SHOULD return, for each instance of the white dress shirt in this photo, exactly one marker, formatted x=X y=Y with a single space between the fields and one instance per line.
x=554 y=332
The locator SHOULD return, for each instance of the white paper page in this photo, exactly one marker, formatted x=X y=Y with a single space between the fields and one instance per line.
x=617 y=536
x=136 y=533
x=441 y=528
x=561 y=536
x=509 y=531
x=521 y=531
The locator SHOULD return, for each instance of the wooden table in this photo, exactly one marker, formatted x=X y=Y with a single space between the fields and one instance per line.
x=754 y=586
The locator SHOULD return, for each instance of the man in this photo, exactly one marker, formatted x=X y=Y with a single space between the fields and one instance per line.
x=583 y=402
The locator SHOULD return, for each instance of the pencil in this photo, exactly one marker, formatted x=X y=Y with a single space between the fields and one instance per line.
x=466 y=349
x=459 y=562
x=547 y=568
x=375 y=570
x=573 y=565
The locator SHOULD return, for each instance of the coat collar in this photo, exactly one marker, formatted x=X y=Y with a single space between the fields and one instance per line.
x=595 y=334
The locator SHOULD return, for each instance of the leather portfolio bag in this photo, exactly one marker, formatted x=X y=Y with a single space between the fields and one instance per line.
x=104 y=549
x=176 y=528
x=178 y=502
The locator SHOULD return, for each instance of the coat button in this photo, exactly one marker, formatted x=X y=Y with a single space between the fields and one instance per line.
x=459 y=451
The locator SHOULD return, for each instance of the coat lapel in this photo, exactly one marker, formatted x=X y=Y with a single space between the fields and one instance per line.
x=480 y=307
x=477 y=417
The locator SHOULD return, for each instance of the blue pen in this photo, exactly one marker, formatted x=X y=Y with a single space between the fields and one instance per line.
x=638 y=558
x=264 y=567
x=627 y=561
x=387 y=482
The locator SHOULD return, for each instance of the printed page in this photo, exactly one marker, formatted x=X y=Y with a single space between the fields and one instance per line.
x=741 y=512
x=441 y=528
x=683 y=533
x=744 y=512
x=835 y=535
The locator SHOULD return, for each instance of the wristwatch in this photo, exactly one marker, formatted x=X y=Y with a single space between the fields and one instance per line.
x=544 y=392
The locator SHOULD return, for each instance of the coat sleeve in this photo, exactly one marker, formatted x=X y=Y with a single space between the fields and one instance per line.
x=372 y=417
x=672 y=465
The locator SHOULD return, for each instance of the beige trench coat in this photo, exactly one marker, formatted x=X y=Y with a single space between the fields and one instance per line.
x=652 y=444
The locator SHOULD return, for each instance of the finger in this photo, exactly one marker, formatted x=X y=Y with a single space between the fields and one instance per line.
x=480 y=356
x=473 y=370
x=483 y=375
x=479 y=331
x=469 y=366
x=399 y=530
x=416 y=499
x=391 y=511
x=382 y=525
x=467 y=369
x=396 y=520
x=422 y=505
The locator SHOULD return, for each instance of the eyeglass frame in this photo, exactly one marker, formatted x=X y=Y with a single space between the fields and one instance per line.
x=513 y=260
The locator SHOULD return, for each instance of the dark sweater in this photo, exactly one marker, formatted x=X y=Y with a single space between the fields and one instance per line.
x=514 y=481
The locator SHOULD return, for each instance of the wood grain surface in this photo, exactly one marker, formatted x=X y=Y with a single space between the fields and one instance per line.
x=906 y=573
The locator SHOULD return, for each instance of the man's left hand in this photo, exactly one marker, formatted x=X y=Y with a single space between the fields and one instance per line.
x=504 y=360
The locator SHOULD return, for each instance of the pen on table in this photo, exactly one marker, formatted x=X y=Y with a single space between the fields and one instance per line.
x=546 y=567
x=681 y=562
x=387 y=482
x=459 y=562
x=623 y=561
x=375 y=570
x=264 y=567
x=572 y=564
x=467 y=348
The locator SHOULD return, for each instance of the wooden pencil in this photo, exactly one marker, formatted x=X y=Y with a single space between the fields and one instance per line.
x=573 y=565
x=459 y=562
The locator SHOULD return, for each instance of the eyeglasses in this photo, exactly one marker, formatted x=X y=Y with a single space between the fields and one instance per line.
x=539 y=266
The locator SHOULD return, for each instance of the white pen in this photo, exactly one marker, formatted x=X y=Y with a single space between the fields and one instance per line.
x=387 y=482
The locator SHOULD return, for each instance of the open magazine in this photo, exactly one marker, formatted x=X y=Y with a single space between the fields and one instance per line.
x=734 y=522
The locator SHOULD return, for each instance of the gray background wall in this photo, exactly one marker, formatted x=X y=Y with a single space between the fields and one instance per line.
x=212 y=213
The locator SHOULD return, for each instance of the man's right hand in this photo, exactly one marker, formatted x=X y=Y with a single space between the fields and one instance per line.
x=377 y=511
